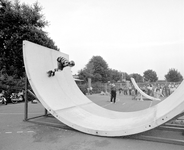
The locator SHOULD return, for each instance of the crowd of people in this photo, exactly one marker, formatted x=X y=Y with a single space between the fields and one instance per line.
x=154 y=90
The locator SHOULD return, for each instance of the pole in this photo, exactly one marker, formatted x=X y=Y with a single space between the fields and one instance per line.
x=26 y=100
x=46 y=112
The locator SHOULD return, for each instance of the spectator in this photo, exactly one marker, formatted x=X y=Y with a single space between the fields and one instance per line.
x=113 y=93
x=167 y=90
x=90 y=90
x=130 y=90
x=133 y=94
x=125 y=90
x=2 y=98
x=150 y=90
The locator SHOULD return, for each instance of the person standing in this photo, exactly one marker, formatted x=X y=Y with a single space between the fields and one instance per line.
x=90 y=90
x=150 y=88
x=2 y=98
x=113 y=93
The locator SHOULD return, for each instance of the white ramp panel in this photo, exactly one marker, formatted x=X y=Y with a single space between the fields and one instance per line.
x=142 y=93
x=64 y=100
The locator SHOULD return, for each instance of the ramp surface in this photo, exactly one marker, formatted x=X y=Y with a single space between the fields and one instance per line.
x=64 y=100
x=141 y=92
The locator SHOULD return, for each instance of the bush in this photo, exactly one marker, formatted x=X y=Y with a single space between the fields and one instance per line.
x=83 y=88
x=98 y=87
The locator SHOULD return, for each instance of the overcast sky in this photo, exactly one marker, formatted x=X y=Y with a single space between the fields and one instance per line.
x=132 y=36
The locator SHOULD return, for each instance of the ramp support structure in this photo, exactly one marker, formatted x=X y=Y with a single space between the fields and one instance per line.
x=26 y=105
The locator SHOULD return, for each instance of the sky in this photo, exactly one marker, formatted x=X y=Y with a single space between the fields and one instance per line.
x=132 y=36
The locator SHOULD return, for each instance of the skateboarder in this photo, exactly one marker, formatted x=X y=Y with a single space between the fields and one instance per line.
x=62 y=63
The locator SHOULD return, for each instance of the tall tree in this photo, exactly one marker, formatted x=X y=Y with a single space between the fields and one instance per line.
x=20 y=22
x=126 y=76
x=87 y=72
x=115 y=75
x=173 y=76
x=97 y=69
x=150 y=75
x=137 y=77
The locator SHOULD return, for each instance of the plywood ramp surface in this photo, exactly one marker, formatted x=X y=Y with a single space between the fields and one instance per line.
x=63 y=99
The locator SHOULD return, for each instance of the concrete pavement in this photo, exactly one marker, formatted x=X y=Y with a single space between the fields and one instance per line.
x=15 y=134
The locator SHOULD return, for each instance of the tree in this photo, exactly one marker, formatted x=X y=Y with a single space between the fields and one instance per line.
x=114 y=75
x=20 y=22
x=100 y=68
x=173 y=76
x=137 y=77
x=87 y=72
x=126 y=76
x=97 y=69
x=150 y=75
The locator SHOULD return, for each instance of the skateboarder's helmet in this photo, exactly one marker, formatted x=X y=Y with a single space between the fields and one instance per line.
x=72 y=63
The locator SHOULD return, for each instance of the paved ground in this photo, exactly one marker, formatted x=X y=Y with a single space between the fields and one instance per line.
x=123 y=103
x=15 y=134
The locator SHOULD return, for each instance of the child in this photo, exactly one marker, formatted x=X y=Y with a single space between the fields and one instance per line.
x=62 y=62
